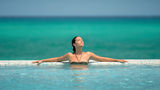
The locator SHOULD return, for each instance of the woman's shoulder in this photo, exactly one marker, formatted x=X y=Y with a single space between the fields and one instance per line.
x=89 y=52
x=69 y=53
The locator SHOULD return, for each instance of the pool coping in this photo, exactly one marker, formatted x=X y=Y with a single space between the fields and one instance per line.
x=92 y=62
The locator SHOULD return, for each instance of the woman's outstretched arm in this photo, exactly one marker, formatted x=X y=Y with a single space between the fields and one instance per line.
x=104 y=59
x=56 y=59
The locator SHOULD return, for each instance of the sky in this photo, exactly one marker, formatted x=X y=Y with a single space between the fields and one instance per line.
x=79 y=8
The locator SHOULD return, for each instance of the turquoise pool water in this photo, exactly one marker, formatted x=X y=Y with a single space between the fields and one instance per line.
x=39 y=38
x=82 y=77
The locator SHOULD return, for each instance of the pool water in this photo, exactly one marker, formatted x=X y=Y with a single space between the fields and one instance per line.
x=80 y=77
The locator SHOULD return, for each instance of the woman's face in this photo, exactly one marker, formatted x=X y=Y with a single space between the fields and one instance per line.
x=78 y=42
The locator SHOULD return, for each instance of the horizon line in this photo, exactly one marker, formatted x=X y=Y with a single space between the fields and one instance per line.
x=79 y=16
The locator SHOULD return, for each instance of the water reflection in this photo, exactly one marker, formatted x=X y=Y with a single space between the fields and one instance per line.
x=79 y=78
x=78 y=67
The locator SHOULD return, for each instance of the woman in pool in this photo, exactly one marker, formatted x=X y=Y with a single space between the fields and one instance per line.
x=78 y=56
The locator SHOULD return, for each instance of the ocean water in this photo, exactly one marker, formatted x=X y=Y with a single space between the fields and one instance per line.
x=40 y=38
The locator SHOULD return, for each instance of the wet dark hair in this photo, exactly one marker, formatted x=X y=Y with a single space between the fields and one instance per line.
x=73 y=41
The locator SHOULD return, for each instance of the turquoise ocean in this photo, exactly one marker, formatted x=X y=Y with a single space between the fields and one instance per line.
x=41 y=38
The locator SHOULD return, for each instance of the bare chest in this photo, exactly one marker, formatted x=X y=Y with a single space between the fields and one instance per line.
x=79 y=58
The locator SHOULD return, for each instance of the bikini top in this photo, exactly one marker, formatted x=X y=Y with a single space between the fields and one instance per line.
x=78 y=62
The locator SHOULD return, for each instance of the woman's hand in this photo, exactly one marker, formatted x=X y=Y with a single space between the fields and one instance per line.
x=122 y=61
x=38 y=62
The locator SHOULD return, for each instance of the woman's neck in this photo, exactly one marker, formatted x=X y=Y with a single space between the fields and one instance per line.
x=78 y=50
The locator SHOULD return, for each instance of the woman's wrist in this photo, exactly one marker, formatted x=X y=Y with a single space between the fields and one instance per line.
x=119 y=60
x=41 y=61
x=123 y=61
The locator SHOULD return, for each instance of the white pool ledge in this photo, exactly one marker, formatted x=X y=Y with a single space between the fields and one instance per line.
x=92 y=62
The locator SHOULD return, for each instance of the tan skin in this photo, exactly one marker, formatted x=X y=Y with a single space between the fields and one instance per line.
x=79 y=56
